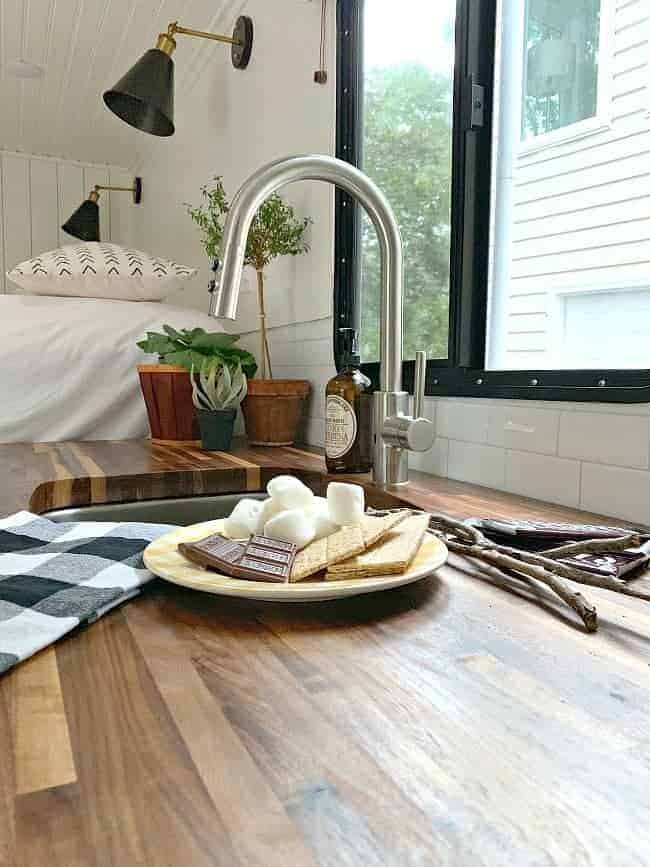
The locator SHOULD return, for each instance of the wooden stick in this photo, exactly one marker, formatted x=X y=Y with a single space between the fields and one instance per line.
x=582 y=606
x=592 y=546
x=469 y=537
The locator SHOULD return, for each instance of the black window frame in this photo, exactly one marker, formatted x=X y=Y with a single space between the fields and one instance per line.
x=463 y=373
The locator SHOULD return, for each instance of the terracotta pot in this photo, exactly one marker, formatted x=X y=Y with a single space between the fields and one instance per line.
x=272 y=410
x=168 y=397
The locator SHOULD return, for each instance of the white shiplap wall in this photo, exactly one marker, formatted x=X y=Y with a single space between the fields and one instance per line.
x=38 y=194
x=84 y=47
x=581 y=206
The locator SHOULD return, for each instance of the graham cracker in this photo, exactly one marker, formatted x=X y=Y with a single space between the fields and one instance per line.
x=343 y=544
x=392 y=556
x=374 y=527
x=318 y=555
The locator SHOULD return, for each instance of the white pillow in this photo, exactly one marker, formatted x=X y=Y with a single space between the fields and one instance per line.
x=100 y=270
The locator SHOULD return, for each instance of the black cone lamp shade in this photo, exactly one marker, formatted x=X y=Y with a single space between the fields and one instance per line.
x=144 y=97
x=84 y=223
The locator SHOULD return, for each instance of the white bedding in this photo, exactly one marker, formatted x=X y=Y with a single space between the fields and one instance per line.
x=68 y=365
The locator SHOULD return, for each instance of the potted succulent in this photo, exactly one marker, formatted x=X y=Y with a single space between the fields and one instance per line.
x=166 y=386
x=217 y=391
x=272 y=407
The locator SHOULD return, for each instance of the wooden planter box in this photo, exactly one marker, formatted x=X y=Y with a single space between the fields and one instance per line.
x=167 y=394
x=272 y=410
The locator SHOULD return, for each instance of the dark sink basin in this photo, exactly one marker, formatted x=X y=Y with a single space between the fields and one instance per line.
x=181 y=511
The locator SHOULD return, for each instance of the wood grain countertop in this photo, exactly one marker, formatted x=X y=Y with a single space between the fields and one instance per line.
x=462 y=720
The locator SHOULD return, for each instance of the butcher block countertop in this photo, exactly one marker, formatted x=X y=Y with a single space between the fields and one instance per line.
x=463 y=720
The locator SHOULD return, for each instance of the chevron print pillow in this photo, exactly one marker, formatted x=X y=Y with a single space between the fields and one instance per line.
x=101 y=270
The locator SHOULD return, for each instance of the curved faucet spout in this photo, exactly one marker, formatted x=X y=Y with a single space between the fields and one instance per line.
x=269 y=179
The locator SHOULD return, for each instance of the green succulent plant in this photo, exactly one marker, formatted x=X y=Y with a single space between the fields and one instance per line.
x=216 y=387
x=196 y=348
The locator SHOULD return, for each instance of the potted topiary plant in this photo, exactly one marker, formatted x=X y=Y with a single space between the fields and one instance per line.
x=217 y=391
x=272 y=407
x=166 y=387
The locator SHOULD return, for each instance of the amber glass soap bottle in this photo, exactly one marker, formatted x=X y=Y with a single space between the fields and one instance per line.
x=348 y=421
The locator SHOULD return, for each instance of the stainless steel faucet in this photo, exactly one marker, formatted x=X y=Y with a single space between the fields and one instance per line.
x=396 y=432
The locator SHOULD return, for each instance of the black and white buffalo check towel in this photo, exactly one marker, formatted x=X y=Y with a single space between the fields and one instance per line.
x=54 y=577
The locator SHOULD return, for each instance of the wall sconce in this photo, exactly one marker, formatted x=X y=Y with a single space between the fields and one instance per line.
x=144 y=97
x=84 y=223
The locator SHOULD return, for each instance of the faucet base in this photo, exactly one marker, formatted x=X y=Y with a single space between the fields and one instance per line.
x=390 y=463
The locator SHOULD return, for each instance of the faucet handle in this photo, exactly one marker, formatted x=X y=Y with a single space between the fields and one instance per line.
x=418 y=384
x=406 y=432
x=415 y=432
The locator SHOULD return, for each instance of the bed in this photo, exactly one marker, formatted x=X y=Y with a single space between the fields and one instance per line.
x=68 y=365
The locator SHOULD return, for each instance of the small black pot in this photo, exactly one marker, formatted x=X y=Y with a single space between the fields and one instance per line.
x=216 y=428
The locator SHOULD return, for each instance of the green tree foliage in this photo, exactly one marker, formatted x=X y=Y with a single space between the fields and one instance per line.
x=407 y=151
x=275 y=230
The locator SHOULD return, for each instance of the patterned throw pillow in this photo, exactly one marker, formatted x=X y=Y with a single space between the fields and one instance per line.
x=101 y=270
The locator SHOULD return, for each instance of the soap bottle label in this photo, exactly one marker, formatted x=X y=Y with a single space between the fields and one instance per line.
x=340 y=426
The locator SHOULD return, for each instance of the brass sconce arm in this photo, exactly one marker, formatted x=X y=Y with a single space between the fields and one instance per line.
x=136 y=190
x=175 y=27
x=241 y=39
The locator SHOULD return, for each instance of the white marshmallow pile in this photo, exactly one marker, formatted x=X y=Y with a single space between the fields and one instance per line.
x=242 y=521
x=346 y=503
x=292 y=525
x=293 y=514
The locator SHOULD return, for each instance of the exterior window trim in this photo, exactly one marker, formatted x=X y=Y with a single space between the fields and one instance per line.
x=463 y=373
x=599 y=122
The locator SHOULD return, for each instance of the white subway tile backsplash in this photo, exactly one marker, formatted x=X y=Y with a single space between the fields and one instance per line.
x=623 y=493
x=316 y=403
x=434 y=461
x=463 y=421
x=472 y=462
x=282 y=353
x=317 y=328
x=543 y=477
x=603 y=438
x=313 y=352
x=523 y=428
x=315 y=431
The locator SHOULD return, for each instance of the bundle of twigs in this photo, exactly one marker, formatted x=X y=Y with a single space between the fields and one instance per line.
x=543 y=566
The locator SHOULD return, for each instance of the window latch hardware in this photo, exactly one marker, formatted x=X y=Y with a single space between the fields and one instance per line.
x=477 y=108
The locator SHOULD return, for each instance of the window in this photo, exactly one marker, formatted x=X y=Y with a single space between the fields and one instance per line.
x=527 y=271
x=407 y=127
x=560 y=80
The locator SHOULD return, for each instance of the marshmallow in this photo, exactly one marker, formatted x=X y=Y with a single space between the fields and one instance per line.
x=290 y=492
x=293 y=525
x=346 y=503
x=320 y=515
x=242 y=521
x=269 y=508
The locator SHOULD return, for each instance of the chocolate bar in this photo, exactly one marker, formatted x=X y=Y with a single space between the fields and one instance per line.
x=551 y=530
x=260 y=559
x=538 y=536
x=612 y=564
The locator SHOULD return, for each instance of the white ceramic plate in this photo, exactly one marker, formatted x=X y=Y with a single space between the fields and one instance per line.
x=163 y=559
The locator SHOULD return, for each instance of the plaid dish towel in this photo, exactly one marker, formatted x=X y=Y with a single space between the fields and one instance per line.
x=54 y=577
